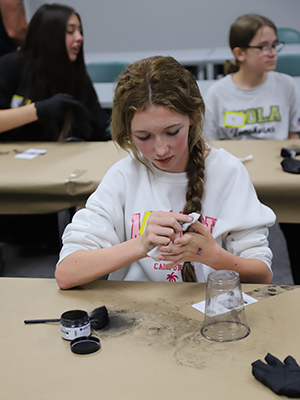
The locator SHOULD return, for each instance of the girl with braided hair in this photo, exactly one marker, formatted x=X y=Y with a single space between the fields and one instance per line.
x=170 y=172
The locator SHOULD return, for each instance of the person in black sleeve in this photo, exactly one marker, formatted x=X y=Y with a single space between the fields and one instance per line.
x=47 y=95
x=45 y=91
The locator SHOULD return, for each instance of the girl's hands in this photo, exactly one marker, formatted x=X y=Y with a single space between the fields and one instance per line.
x=161 y=229
x=199 y=246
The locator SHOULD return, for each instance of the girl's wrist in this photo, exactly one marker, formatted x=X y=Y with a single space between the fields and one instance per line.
x=140 y=248
x=216 y=258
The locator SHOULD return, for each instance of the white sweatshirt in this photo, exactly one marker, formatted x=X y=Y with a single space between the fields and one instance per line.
x=268 y=111
x=118 y=210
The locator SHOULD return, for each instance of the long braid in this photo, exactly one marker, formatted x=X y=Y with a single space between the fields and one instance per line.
x=195 y=173
x=163 y=81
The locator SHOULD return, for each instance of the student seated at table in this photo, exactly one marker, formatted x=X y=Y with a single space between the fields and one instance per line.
x=47 y=95
x=255 y=102
x=45 y=91
x=157 y=116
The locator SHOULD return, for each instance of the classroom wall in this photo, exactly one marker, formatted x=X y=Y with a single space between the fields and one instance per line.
x=129 y=25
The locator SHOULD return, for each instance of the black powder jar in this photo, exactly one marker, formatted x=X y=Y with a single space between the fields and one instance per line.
x=74 y=324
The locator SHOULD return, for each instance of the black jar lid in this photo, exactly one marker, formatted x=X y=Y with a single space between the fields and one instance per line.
x=85 y=345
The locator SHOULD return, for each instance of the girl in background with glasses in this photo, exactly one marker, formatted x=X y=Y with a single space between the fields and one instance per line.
x=255 y=102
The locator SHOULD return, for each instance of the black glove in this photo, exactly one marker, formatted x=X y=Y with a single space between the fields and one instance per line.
x=58 y=105
x=282 y=378
x=291 y=165
x=285 y=152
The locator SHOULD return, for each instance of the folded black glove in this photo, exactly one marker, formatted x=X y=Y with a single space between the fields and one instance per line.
x=285 y=152
x=282 y=378
x=58 y=105
x=291 y=165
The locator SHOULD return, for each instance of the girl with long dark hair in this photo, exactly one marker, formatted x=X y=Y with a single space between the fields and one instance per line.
x=45 y=91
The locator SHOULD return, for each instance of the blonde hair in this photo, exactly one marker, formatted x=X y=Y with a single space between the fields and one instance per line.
x=163 y=81
x=242 y=31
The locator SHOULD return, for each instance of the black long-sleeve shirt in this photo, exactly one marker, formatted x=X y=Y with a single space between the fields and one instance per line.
x=12 y=89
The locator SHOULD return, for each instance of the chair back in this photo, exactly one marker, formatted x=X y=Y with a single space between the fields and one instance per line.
x=288 y=35
x=105 y=71
x=288 y=64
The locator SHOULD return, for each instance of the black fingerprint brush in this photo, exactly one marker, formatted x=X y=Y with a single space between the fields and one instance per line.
x=98 y=319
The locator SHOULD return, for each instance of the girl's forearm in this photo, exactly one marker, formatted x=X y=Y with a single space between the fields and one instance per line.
x=85 y=266
x=251 y=270
x=16 y=117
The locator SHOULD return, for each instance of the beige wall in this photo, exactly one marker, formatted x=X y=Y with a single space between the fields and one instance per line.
x=128 y=25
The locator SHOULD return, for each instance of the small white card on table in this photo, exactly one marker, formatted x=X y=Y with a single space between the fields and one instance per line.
x=247 y=300
x=29 y=154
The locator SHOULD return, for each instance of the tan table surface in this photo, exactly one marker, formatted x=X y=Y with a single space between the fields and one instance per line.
x=152 y=348
x=275 y=188
x=44 y=184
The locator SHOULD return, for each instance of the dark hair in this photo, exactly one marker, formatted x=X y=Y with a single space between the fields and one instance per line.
x=48 y=69
x=163 y=81
x=242 y=31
